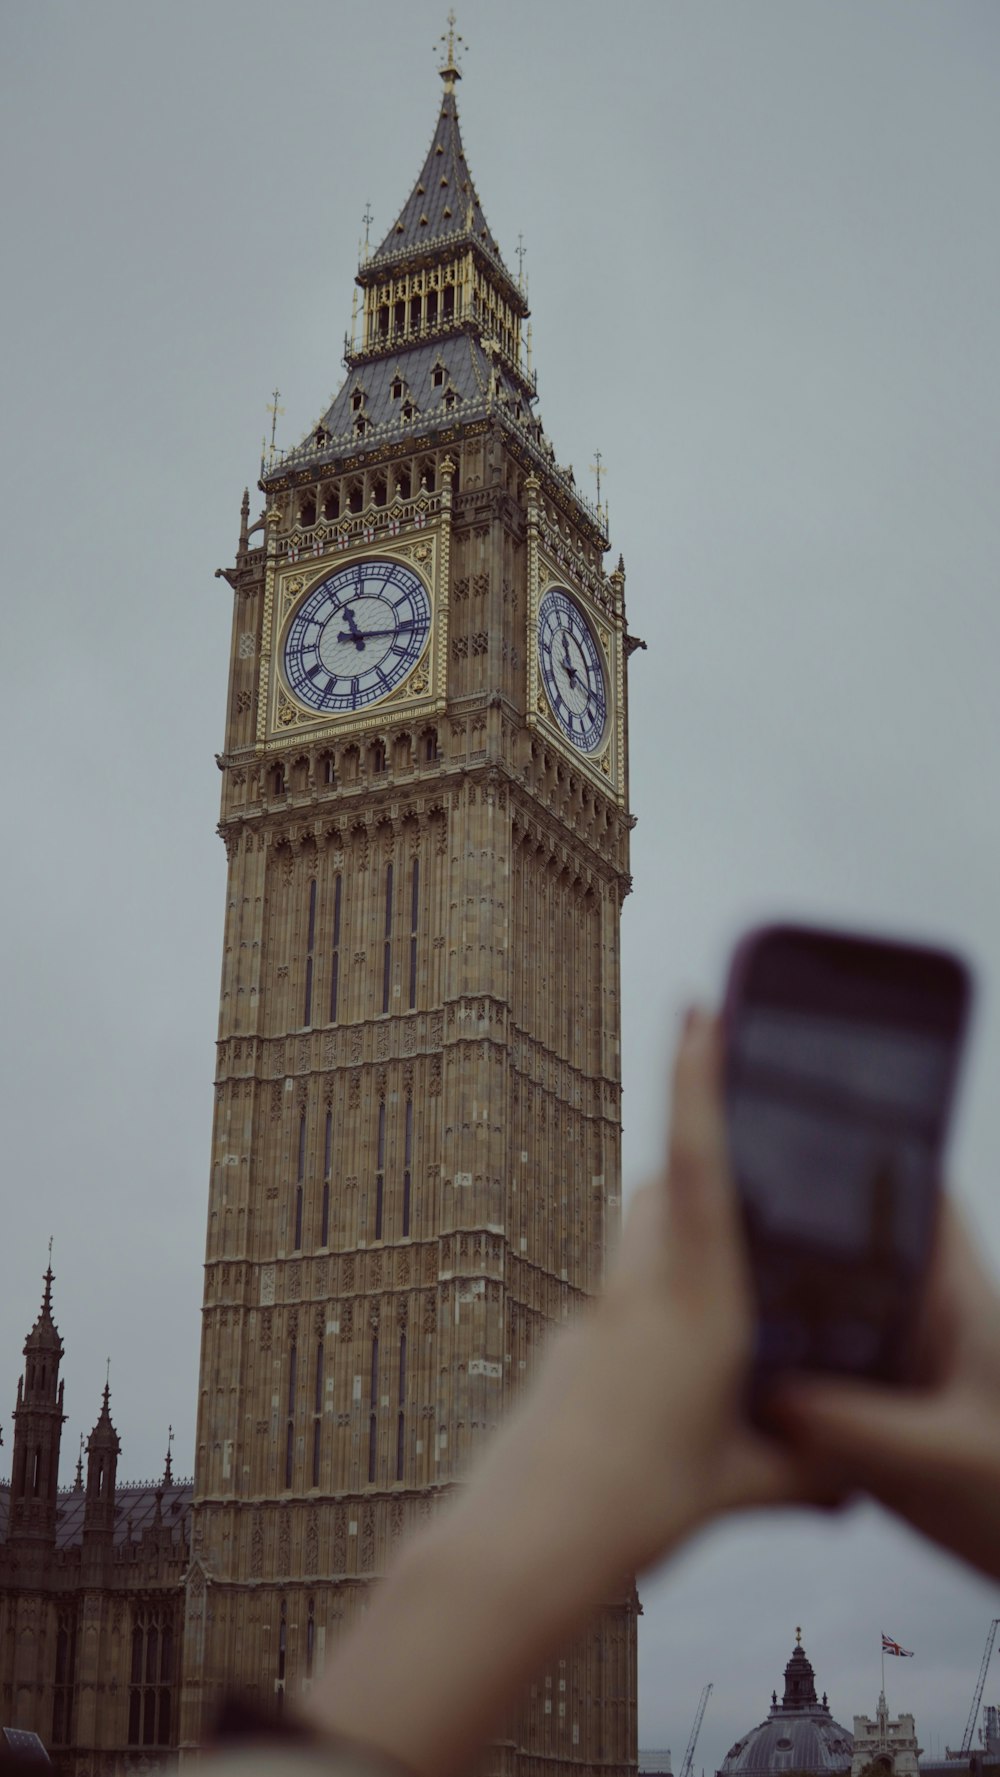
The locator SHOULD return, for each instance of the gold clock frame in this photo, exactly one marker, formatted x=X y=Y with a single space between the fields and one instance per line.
x=280 y=716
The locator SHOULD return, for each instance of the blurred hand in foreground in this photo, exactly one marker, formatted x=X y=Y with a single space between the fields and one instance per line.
x=930 y=1452
x=633 y=1435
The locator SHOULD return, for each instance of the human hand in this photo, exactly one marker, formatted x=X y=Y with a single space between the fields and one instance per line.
x=641 y=1405
x=632 y=1435
x=930 y=1452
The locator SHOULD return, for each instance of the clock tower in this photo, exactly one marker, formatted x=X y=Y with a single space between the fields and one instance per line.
x=416 y=1148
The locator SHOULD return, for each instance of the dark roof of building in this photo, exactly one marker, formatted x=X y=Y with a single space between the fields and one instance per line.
x=444 y=204
x=799 y=1734
x=455 y=365
x=135 y=1511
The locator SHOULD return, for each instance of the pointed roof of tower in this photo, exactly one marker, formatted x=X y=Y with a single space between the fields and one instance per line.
x=443 y=203
x=800 y=1679
x=443 y=206
x=44 y=1335
x=104 y=1436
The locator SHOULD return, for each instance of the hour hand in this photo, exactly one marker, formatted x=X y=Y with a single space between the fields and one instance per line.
x=353 y=633
x=567 y=663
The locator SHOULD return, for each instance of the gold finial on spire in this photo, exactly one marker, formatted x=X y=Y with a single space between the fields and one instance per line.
x=598 y=467
x=274 y=410
x=449 y=69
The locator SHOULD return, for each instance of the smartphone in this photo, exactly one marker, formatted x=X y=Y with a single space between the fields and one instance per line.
x=841 y=1060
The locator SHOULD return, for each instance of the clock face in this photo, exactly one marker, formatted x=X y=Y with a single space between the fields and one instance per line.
x=572 y=670
x=357 y=635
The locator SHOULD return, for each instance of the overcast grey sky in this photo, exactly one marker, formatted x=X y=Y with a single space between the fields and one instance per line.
x=764 y=262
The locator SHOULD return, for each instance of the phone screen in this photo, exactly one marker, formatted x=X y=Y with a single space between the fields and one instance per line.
x=841 y=1060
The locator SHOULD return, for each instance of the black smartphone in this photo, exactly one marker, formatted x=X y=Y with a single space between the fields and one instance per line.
x=841 y=1059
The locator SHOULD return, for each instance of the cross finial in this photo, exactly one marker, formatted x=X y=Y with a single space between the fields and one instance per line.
x=274 y=410
x=449 y=69
x=48 y=1277
x=368 y=218
x=599 y=467
x=521 y=250
x=168 y=1468
x=107 y=1382
x=798 y=1636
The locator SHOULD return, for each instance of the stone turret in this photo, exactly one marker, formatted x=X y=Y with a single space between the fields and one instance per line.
x=103 y=1450
x=38 y=1423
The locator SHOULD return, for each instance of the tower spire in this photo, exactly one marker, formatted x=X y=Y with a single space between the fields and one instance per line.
x=38 y=1422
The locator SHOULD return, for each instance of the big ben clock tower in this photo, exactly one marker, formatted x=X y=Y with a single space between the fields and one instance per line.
x=416 y=1149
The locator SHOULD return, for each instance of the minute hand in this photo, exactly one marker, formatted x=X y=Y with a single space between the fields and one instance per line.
x=369 y=635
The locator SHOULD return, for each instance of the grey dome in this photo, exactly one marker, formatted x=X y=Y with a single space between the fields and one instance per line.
x=799 y=1734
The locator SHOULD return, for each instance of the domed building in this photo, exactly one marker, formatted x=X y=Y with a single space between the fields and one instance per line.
x=799 y=1735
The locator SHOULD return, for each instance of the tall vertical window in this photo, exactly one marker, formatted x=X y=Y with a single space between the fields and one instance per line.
x=62 y=1701
x=317 y=1413
x=293 y=1366
x=310 y=942
x=282 y=1656
x=324 y=1234
x=380 y=1171
x=335 y=947
x=151 y=1678
x=414 y=914
x=373 y=1412
x=407 y=1166
x=300 y=1189
x=401 y=1413
x=387 y=942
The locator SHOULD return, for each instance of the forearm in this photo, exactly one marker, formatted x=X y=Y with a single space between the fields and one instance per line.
x=514 y=1567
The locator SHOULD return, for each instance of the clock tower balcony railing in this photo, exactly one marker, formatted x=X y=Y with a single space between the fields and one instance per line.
x=354 y=527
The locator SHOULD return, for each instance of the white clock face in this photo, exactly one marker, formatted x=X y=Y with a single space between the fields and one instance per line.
x=572 y=670
x=356 y=635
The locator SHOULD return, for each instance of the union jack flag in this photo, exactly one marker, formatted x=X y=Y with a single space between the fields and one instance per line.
x=420 y=519
x=892 y=1647
x=293 y=552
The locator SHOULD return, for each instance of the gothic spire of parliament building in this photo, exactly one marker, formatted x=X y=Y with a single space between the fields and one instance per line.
x=416 y=1148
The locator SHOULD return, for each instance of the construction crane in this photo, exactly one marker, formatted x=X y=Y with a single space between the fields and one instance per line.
x=685 y=1770
x=977 y=1695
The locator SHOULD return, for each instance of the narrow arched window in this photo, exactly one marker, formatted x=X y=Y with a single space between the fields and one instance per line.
x=324 y=1237
x=310 y=944
x=380 y=1171
x=407 y=1166
x=335 y=965
x=401 y=1414
x=373 y=1412
x=387 y=942
x=414 y=916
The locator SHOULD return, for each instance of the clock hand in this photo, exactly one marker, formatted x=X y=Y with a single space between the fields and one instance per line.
x=354 y=634
x=568 y=666
x=361 y=636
